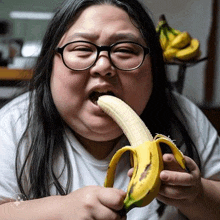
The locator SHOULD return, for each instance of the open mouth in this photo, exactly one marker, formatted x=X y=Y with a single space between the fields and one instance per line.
x=95 y=95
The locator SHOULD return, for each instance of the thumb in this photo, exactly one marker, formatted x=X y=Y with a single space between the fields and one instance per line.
x=130 y=172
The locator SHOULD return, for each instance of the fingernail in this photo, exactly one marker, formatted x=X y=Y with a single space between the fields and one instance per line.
x=164 y=176
x=169 y=158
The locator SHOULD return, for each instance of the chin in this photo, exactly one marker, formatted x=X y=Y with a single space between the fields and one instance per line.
x=102 y=135
x=105 y=137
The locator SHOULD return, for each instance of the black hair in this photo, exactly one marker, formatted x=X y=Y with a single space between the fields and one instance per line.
x=45 y=129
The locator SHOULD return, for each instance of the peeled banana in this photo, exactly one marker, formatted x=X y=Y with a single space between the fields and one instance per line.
x=145 y=151
x=176 y=44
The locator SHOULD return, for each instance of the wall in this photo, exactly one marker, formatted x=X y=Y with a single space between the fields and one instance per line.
x=193 y=16
x=216 y=100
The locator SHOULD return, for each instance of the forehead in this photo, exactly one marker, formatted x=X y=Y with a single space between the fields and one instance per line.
x=103 y=21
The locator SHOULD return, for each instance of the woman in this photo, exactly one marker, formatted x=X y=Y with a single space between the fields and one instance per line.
x=62 y=142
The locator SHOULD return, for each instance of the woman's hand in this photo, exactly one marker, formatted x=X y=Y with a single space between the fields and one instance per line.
x=178 y=186
x=196 y=197
x=93 y=202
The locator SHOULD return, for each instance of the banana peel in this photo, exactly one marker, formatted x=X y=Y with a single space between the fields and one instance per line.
x=170 y=53
x=145 y=151
x=190 y=52
x=181 y=41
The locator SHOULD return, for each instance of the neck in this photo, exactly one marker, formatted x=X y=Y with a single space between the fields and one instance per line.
x=98 y=149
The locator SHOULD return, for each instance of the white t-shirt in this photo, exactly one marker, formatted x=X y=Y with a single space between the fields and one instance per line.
x=89 y=171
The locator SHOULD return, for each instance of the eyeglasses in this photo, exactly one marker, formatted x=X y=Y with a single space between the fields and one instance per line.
x=82 y=55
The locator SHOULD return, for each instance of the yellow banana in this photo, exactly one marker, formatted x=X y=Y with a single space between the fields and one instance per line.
x=164 y=40
x=190 y=52
x=170 y=53
x=172 y=33
x=176 y=44
x=166 y=33
x=182 y=40
x=145 y=150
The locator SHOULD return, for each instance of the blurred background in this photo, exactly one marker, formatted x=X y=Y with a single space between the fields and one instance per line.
x=23 y=24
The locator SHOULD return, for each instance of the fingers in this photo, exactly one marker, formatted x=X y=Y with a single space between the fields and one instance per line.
x=170 y=163
x=94 y=202
x=112 y=198
x=103 y=213
x=168 y=201
x=175 y=192
x=178 y=185
x=130 y=172
x=174 y=174
x=176 y=178
x=192 y=166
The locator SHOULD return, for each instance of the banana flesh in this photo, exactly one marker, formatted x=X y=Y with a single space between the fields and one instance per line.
x=114 y=108
x=145 y=150
x=176 y=45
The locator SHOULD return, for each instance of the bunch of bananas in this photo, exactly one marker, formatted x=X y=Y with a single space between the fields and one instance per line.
x=176 y=44
x=146 y=156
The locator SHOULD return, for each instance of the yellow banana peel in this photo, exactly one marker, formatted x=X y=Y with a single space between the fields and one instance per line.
x=164 y=41
x=145 y=150
x=172 y=33
x=180 y=41
x=170 y=53
x=190 y=52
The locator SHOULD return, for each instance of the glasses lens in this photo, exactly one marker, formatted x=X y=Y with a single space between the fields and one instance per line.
x=79 y=55
x=127 y=56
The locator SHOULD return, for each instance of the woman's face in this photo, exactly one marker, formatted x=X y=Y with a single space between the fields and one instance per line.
x=72 y=91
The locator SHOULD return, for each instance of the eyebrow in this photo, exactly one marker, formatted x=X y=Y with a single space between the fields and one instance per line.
x=115 y=37
x=127 y=36
x=82 y=34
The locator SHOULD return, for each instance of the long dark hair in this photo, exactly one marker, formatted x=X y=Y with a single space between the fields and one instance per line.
x=45 y=129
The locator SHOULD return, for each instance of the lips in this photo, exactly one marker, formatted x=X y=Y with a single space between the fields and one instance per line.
x=96 y=94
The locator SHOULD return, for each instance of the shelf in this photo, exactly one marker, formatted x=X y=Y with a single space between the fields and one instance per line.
x=15 y=74
x=179 y=84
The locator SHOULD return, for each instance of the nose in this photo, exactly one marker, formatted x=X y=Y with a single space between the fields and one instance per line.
x=103 y=66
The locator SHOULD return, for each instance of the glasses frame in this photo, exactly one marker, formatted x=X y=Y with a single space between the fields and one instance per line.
x=60 y=50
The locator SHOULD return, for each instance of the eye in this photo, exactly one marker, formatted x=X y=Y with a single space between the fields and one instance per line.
x=80 y=50
x=83 y=48
x=124 y=50
x=80 y=47
x=77 y=47
x=127 y=49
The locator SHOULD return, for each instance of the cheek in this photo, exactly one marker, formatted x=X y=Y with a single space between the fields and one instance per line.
x=66 y=88
x=139 y=88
